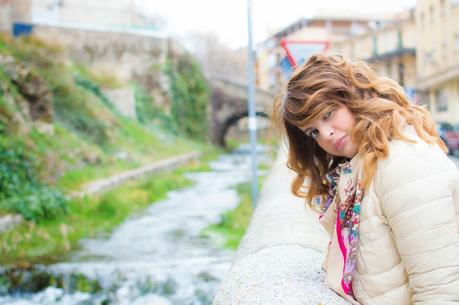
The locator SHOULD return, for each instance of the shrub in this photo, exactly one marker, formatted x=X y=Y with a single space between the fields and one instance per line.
x=20 y=190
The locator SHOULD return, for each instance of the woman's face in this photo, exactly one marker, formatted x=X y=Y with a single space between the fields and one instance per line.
x=332 y=132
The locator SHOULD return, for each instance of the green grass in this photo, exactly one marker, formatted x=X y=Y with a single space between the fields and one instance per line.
x=88 y=136
x=102 y=78
x=52 y=240
x=154 y=151
x=234 y=223
x=67 y=160
x=73 y=180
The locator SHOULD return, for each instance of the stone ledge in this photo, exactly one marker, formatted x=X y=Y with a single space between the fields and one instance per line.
x=280 y=257
x=287 y=274
x=104 y=184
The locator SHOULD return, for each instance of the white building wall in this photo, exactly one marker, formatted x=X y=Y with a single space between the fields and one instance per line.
x=5 y=15
x=101 y=12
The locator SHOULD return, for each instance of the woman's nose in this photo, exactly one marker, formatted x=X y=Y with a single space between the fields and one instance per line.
x=326 y=131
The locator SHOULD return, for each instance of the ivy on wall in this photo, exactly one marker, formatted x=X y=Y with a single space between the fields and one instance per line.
x=189 y=94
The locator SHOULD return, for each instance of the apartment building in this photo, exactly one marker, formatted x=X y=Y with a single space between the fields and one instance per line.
x=420 y=50
x=390 y=50
x=437 y=60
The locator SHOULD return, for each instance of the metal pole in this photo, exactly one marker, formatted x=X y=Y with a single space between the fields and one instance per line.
x=251 y=104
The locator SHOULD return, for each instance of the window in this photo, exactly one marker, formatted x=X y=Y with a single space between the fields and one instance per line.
x=374 y=41
x=353 y=50
x=444 y=50
x=400 y=39
x=424 y=98
x=454 y=2
x=389 y=69
x=441 y=100
x=401 y=74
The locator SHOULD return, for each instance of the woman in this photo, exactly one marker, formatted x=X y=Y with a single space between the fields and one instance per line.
x=378 y=174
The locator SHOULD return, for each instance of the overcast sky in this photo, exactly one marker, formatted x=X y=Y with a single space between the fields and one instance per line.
x=228 y=18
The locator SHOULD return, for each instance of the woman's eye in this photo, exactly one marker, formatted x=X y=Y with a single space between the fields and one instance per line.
x=328 y=114
x=314 y=133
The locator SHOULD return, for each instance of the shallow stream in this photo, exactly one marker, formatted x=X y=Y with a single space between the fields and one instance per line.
x=158 y=257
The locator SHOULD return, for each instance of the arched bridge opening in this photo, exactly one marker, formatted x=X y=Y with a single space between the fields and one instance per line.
x=232 y=121
x=229 y=105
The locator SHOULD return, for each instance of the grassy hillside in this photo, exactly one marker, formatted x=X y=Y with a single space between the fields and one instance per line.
x=58 y=131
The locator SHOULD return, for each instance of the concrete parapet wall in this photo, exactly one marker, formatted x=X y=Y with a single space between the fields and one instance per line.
x=279 y=259
x=113 y=181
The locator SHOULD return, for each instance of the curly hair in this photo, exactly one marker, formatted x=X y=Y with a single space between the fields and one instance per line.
x=379 y=105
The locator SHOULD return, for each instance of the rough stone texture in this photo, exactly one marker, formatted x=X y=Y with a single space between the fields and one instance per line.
x=124 y=101
x=279 y=259
x=124 y=54
x=35 y=100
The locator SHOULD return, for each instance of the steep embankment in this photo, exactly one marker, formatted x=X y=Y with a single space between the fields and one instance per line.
x=58 y=131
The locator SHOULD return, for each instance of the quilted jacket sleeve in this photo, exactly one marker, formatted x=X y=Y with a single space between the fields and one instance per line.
x=418 y=190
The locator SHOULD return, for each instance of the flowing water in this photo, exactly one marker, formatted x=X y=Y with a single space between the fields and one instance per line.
x=157 y=258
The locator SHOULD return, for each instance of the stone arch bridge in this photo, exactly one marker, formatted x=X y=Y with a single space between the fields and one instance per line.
x=229 y=105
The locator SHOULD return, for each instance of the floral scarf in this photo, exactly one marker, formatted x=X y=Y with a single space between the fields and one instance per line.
x=346 y=191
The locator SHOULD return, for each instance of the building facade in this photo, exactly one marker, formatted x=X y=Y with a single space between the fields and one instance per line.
x=419 y=49
x=390 y=50
x=5 y=15
x=304 y=36
x=437 y=60
x=111 y=14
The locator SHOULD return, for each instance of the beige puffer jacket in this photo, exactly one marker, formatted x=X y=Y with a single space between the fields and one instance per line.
x=409 y=229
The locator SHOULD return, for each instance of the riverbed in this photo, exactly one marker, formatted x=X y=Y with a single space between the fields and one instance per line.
x=158 y=257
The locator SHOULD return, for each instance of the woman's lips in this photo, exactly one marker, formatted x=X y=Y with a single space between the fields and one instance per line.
x=340 y=143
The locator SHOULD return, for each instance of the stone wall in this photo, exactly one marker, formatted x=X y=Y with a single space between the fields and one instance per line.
x=127 y=55
x=124 y=101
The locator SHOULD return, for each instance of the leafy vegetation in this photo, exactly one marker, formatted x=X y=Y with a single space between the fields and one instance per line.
x=90 y=138
x=20 y=190
x=151 y=115
x=189 y=96
x=85 y=139
x=86 y=217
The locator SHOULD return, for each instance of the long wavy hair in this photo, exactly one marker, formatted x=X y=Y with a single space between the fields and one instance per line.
x=379 y=105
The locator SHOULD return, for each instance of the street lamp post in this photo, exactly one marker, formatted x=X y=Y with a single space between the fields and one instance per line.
x=251 y=105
